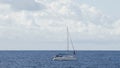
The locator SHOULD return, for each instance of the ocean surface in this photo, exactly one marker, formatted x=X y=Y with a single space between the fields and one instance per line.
x=43 y=59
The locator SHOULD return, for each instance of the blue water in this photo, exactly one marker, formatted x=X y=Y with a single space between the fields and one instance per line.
x=43 y=59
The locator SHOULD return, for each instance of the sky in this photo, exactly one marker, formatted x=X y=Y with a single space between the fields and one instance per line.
x=41 y=24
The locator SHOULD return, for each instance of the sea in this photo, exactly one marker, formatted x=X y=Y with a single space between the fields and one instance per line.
x=43 y=59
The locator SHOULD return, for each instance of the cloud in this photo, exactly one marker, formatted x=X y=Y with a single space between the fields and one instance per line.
x=84 y=21
x=30 y=5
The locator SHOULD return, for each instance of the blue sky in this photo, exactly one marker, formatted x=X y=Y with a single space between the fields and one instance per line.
x=41 y=24
x=109 y=7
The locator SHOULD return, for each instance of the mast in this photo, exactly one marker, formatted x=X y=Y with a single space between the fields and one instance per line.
x=69 y=40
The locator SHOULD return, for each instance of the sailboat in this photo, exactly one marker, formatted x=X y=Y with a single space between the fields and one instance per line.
x=66 y=56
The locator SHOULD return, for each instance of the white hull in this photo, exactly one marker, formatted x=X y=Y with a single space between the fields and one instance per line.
x=65 y=58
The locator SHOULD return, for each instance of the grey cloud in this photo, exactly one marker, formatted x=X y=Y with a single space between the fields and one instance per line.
x=29 y=5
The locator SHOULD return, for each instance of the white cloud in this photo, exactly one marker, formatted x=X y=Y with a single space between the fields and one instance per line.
x=85 y=20
x=115 y=28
